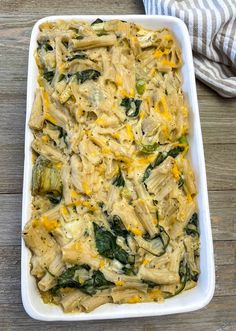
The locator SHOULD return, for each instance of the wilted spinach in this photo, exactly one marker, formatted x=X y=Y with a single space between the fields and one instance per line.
x=87 y=74
x=184 y=274
x=131 y=106
x=117 y=226
x=54 y=199
x=97 y=281
x=160 y=158
x=129 y=271
x=119 y=180
x=149 y=149
x=79 y=56
x=159 y=243
x=107 y=246
x=192 y=226
x=98 y=20
x=45 y=45
x=181 y=181
x=48 y=75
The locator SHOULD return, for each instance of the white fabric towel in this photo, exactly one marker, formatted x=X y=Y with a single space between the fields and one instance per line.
x=212 y=29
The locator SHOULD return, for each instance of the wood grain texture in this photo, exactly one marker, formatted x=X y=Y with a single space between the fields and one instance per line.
x=218 y=120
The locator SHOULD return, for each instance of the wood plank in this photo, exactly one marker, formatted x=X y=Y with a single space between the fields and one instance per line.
x=218 y=119
x=10 y=219
x=221 y=166
x=12 y=143
x=223 y=214
x=11 y=166
x=10 y=263
x=219 y=315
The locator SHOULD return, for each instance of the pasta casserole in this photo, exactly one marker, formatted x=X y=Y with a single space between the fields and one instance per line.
x=114 y=214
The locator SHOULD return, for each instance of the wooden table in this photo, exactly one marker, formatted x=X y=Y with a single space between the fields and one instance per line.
x=218 y=117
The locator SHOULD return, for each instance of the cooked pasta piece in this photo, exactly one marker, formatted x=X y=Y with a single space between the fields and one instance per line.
x=37 y=116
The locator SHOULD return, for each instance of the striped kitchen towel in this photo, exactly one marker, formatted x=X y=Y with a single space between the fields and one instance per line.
x=212 y=29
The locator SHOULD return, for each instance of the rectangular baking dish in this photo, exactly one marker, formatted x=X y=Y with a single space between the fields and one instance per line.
x=187 y=301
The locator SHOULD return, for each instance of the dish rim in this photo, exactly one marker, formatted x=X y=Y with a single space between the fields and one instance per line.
x=130 y=312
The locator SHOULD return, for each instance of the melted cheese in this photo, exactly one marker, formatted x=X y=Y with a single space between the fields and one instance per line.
x=175 y=171
x=134 y=299
x=162 y=108
x=45 y=138
x=119 y=80
x=49 y=224
x=169 y=63
x=155 y=294
x=86 y=188
x=129 y=132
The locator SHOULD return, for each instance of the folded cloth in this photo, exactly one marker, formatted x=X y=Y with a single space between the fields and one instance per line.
x=212 y=29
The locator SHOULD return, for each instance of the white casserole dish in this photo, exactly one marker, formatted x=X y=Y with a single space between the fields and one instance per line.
x=187 y=301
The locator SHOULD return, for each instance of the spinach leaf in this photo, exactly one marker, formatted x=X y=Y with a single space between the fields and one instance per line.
x=98 y=20
x=105 y=241
x=119 y=180
x=185 y=275
x=192 y=226
x=63 y=133
x=181 y=181
x=79 y=37
x=147 y=172
x=175 y=151
x=45 y=45
x=121 y=255
x=149 y=283
x=48 y=75
x=74 y=29
x=117 y=226
x=96 y=282
x=54 y=199
x=129 y=271
x=160 y=158
x=61 y=77
x=77 y=56
x=90 y=286
x=65 y=43
x=159 y=243
x=132 y=106
x=149 y=149
x=107 y=246
x=102 y=33
x=66 y=278
x=183 y=140
x=87 y=74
